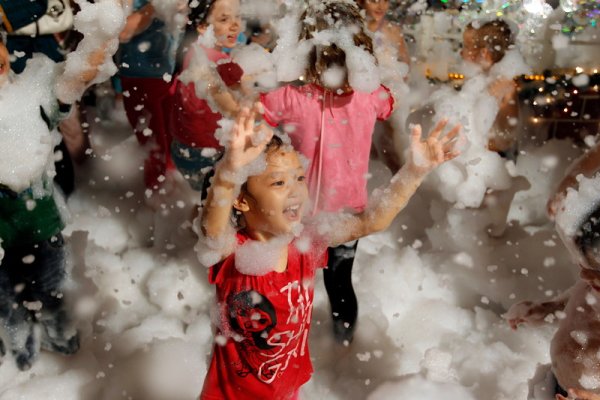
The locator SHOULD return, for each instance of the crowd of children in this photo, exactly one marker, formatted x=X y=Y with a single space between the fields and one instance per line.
x=284 y=171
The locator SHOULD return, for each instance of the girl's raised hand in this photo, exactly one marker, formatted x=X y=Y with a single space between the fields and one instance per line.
x=435 y=149
x=247 y=141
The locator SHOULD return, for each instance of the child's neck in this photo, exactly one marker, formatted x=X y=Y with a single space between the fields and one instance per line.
x=282 y=258
x=346 y=89
x=374 y=25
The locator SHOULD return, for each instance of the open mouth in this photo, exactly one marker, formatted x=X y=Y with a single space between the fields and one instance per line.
x=292 y=212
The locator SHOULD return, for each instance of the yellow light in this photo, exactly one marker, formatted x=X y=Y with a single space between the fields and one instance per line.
x=535 y=120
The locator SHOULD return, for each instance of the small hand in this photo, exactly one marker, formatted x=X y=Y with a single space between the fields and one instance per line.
x=434 y=150
x=95 y=59
x=530 y=312
x=247 y=140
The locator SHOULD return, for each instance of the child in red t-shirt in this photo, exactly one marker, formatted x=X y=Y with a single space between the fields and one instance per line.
x=265 y=279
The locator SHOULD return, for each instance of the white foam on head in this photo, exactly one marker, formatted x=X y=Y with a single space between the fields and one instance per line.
x=361 y=66
x=290 y=55
x=333 y=77
x=258 y=66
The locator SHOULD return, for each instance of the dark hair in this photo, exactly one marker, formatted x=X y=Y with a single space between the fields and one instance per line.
x=333 y=14
x=587 y=237
x=274 y=144
x=495 y=36
x=198 y=16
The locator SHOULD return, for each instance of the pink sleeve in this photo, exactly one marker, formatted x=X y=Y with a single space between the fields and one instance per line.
x=383 y=102
x=274 y=104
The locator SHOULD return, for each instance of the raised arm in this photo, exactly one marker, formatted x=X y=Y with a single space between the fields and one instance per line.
x=137 y=22
x=534 y=313
x=92 y=61
x=245 y=145
x=385 y=204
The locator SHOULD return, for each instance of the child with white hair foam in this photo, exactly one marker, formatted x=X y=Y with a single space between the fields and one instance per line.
x=330 y=120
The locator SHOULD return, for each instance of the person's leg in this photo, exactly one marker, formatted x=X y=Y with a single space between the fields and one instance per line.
x=65 y=172
x=338 y=283
x=143 y=100
x=17 y=321
x=46 y=289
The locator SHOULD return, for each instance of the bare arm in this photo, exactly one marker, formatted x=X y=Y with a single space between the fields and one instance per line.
x=92 y=59
x=226 y=101
x=137 y=22
x=535 y=313
x=505 y=92
x=67 y=84
x=384 y=206
x=224 y=187
x=403 y=48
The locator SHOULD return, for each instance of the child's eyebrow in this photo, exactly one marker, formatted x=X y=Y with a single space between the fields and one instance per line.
x=275 y=174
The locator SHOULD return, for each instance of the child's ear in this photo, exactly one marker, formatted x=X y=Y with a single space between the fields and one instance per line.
x=202 y=28
x=486 y=55
x=241 y=204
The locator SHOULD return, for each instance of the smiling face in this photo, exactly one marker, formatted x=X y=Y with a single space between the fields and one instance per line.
x=225 y=18
x=375 y=9
x=4 y=64
x=273 y=202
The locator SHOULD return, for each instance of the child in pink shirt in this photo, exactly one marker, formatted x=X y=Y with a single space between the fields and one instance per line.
x=332 y=127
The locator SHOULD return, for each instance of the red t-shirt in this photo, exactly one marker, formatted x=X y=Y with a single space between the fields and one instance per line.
x=266 y=320
x=194 y=122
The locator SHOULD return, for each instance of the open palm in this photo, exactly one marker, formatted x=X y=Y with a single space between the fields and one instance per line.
x=428 y=153
x=247 y=140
